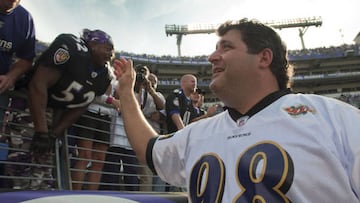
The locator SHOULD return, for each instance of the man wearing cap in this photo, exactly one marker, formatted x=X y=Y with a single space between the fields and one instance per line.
x=68 y=76
x=197 y=112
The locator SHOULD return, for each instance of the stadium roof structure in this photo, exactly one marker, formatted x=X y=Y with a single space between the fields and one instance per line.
x=357 y=38
x=301 y=23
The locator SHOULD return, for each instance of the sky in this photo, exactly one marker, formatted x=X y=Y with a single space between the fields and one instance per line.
x=138 y=26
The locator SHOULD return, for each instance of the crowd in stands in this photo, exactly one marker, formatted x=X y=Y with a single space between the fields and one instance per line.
x=325 y=52
x=300 y=54
x=353 y=99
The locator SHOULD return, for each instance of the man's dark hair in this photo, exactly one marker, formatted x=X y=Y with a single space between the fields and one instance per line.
x=257 y=37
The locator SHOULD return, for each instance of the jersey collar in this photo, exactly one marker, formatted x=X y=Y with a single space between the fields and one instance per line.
x=266 y=101
x=183 y=93
x=94 y=72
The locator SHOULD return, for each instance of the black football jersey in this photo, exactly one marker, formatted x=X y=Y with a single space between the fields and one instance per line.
x=177 y=102
x=80 y=81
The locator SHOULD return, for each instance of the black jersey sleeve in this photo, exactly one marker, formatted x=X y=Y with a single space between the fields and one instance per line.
x=62 y=50
x=172 y=103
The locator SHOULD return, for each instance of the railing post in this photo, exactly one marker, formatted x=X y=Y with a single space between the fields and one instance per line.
x=63 y=163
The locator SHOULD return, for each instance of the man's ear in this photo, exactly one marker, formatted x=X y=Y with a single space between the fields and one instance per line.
x=266 y=57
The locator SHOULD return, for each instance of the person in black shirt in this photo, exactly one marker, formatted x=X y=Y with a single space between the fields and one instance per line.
x=197 y=112
x=68 y=76
x=178 y=104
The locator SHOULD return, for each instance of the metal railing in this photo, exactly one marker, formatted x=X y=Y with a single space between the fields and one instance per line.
x=19 y=171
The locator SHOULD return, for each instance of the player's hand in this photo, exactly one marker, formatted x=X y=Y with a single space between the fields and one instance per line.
x=125 y=75
x=42 y=143
x=5 y=83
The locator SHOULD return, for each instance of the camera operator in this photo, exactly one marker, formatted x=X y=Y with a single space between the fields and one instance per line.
x=144 y=88
x=151 y=103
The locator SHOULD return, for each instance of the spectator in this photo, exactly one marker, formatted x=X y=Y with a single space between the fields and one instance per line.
x=152 y=102
x=17 y=36
x=68 y=76
x=121 y=165
x=258 y=148
x=155 y=112
x=178 y=104
x=157 y=121
x=197 y=111
x=92 y=142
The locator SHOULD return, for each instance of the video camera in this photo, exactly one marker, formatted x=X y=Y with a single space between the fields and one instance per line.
x=141 y=73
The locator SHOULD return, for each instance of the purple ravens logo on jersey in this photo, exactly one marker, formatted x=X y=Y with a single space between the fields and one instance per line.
x=61 y=56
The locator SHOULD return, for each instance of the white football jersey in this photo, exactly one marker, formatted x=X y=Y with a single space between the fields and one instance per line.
x=288 y=148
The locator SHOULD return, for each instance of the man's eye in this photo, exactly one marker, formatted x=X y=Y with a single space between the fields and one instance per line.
x=226 y=46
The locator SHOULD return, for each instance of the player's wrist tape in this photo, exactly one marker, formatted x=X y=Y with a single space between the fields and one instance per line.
x=109 y=100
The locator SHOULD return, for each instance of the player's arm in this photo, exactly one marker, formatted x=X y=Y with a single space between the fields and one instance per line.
x=138 y=131
x=43 y=78
x=68 y=117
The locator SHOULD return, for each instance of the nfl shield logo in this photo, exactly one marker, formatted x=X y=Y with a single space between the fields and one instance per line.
x=61 y=56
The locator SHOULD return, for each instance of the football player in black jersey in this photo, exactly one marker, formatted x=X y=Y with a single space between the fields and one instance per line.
x=178 y=104
x=68 y=76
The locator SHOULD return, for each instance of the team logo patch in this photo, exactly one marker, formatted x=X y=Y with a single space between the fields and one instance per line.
x=61 y=56
x=241 y=121
x=299 y=110
x=176 y=101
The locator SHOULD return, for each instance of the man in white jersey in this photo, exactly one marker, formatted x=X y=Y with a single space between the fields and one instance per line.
x=270 y=145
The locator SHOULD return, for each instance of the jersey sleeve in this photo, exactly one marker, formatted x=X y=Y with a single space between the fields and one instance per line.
x=350 y=143
x=62 y=51
x=27 y=50
x=172 y=104
x=168 y=157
